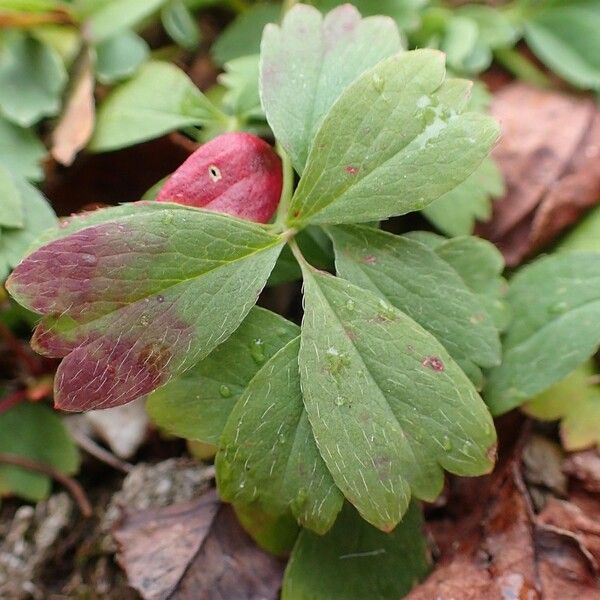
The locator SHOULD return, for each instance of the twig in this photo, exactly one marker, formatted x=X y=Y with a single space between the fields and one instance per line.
x=15 y=345
x=68 y=482
x=97 y=451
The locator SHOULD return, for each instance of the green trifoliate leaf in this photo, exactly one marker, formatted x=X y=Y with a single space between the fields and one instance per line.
x=11 y=201
x=394 y=142
x=456 y=211
x=242 y=36
x=180 y=24
x=120 y=56
x=32 y=77
x=307 y=63
x=414 y=279
x=36 y=432
x=159 y=99
x=576 y=402
x=480 y=265
x=137 y=300
x=38 y=216
x=268 y=455
x=355 y=561
x=388 y=406
x=564 y=35
x=21 y=151
x=555 y=327
x=115 y=16
x=196 y=405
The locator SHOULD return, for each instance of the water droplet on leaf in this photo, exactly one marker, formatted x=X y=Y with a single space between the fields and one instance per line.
x=446 y=443
x=257 y=351
x=225 y=391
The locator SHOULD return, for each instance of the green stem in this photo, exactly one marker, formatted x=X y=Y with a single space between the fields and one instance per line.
x=522 y=68
x=287 y=190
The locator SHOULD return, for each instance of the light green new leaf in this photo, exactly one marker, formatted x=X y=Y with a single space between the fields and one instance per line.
x=585 y=235
x=308 y=62
x=242 y=36
x=120 y=56
x=11 y=202
x=21 y=151
x=268 y=455
x=114 y=16
x=32 y=78
x=196 y=405
x=456 y=211
x=38 y=216
x=414 y=279
x=355 y=561
x=180 y=24
x=564 y=36
x=576 y=402
x=159 y=99
x=388 y=406
x=394 y=142
x=34 y=431
x=555 y=327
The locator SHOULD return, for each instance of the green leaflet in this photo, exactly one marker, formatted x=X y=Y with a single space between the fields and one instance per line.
x=11 y=202
x=32 y=78
x=159 y=99
x=564 y=35
x=308 y=62
x=456 y=211
x=414 y=279
x=393 y=142
x=120 y=56
x=585 y=236
x=355 y=561
x=480 y=265
x=196 y=405
x=38 y=216
x=139 y=299
x=267 y=453
x=242 y=36
x=388 y=406
x=114 y=16
x=21 y=151
x=34 y=431
x=240 y=79
x=576 y=402
x=180 y=24
x=555 y=327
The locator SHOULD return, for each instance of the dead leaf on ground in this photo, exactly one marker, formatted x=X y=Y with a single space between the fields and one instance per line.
x=492 y=545
x=193 y=551
x=76 y=124
x=549 y=154
x=585 y=467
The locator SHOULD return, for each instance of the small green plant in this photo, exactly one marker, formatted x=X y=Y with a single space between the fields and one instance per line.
x=328 y=430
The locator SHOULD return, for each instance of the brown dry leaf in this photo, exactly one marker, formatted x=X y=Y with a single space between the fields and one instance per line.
x=549 y=154
x=585 y=467
x=194 y=551
x=494 y=547
x=76 y=123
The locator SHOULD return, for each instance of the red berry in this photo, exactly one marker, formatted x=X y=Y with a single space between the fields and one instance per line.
x=235 y=173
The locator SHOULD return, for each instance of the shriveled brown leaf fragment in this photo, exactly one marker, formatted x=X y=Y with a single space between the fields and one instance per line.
x=585 y=467
x=76 y=124
x=549 y=154
x=192 y=551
